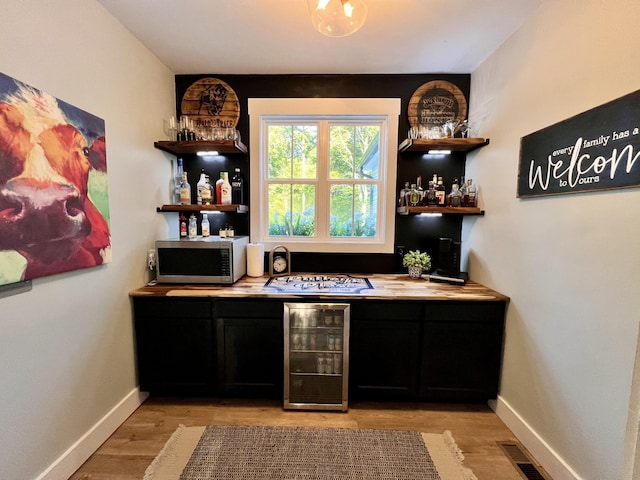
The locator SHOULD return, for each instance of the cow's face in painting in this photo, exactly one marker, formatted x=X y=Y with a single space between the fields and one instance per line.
x=45 y=213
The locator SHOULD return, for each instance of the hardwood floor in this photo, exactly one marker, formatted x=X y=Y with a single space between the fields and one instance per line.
x=130 y=450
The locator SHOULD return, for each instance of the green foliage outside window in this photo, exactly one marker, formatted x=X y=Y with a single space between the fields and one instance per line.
x=293 y=171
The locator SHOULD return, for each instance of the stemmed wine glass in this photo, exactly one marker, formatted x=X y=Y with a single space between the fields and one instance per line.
x=451 y=127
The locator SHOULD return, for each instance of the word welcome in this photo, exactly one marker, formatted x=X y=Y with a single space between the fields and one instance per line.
x=583 y=168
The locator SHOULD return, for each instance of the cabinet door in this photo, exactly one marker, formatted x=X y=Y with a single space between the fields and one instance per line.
x=462 y=351
x=384 y=351
x=250 y=348
x=175 y=346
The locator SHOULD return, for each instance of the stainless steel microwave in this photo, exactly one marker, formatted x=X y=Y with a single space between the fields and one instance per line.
x=202 y=260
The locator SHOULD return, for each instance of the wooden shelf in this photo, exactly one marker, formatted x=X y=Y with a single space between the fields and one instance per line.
x=453 y=144
x=190 y=148
x=442 y=210
x=204 y=208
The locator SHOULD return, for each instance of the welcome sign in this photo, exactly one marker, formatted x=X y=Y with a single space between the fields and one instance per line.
x=595 y=150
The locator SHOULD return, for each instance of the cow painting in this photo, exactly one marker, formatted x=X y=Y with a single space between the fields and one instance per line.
x=53 y=195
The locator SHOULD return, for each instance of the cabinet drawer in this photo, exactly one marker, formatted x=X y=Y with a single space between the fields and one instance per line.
x=464 y=311
x=386 y=310
x=172 y=308
x=244 y=308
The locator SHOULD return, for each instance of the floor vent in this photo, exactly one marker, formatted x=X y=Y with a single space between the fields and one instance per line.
x=522 y=461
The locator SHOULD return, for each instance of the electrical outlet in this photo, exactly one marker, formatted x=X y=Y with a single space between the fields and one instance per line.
x=400 y=250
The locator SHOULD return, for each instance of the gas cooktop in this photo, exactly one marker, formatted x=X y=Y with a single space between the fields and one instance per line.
x=309 y=284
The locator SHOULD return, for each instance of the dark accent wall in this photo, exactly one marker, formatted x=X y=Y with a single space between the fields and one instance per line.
x=412 y=232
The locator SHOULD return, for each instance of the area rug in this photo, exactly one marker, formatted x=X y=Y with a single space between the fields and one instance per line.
x=307 y=453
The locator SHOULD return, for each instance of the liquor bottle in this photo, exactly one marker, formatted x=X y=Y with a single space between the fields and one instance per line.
x=205 y=225
x=177 y=181
x=432 y=199
x=201 y=186
x=237 y=187
x=463 y=193
x=183 y=225
x=472 y=190
x=212 y=193
x=193 y=226
x=185 y=190
x=420 y=190
x=414 y=196
x=440 y=193
x=455 y=197
x=403 y=201
x=223 y=189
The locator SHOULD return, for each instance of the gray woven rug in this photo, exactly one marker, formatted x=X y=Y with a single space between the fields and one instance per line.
x=304 y=453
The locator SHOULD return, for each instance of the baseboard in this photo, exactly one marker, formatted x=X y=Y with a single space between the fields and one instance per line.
x=77 y=454
x=541 y=451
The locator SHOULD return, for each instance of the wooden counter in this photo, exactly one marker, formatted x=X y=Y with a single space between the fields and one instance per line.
x=409 y=339
x=385 y=287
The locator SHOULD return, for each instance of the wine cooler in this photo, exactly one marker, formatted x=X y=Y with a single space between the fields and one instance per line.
x=316 y=356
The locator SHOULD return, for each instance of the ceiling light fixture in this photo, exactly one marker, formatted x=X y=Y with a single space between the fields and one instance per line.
x=337 y=18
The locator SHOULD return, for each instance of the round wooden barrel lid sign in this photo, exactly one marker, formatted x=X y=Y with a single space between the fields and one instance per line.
x=211 y=102
x=435 y=103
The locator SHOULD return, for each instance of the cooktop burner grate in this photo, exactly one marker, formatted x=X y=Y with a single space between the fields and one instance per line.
x=345 y=284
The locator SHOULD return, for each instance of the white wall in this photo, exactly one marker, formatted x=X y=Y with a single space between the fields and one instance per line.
x=66 y=347
x=569 y=263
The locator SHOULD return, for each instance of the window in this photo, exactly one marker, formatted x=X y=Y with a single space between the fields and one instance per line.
x=323 y=173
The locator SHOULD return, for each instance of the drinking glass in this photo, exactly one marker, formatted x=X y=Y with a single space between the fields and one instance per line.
x=450 y=128
x=170 y=128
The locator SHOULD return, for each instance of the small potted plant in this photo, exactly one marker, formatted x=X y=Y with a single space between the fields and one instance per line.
x=417 y=262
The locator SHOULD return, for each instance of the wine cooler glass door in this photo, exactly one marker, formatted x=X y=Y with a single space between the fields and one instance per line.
x=316 y=356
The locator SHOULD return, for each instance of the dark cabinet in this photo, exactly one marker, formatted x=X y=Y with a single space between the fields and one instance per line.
x=175 y=345
x=385 y=349
x=398 y=350
x=462 y=351
x=250 y=347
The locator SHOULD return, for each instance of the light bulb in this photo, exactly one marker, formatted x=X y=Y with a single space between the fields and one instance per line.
x=337 y=18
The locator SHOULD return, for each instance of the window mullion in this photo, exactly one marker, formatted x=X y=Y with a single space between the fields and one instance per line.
x=323 y=192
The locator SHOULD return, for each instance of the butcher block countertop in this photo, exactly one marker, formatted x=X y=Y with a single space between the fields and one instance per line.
x=385 y=287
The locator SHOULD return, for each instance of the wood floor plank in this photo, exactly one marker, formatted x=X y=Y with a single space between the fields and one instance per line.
x=134 y=445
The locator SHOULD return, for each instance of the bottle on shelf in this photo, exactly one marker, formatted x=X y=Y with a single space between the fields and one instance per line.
x=183 y=225
x=455 y=197
x=211 y=196
x=223 y=189
x=205 y=225
x=185 y=190
x=204 y=189
x=463 y=193
x=237 y=187
x=440 y=193
x=193 y=226
x=177 y=181
x=420 y=190
x=472 y=190
x=414 y=196
x=403 y=201
x=201 y=186
x=431 y=198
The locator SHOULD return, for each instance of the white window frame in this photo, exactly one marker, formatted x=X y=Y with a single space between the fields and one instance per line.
x=264 y=110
